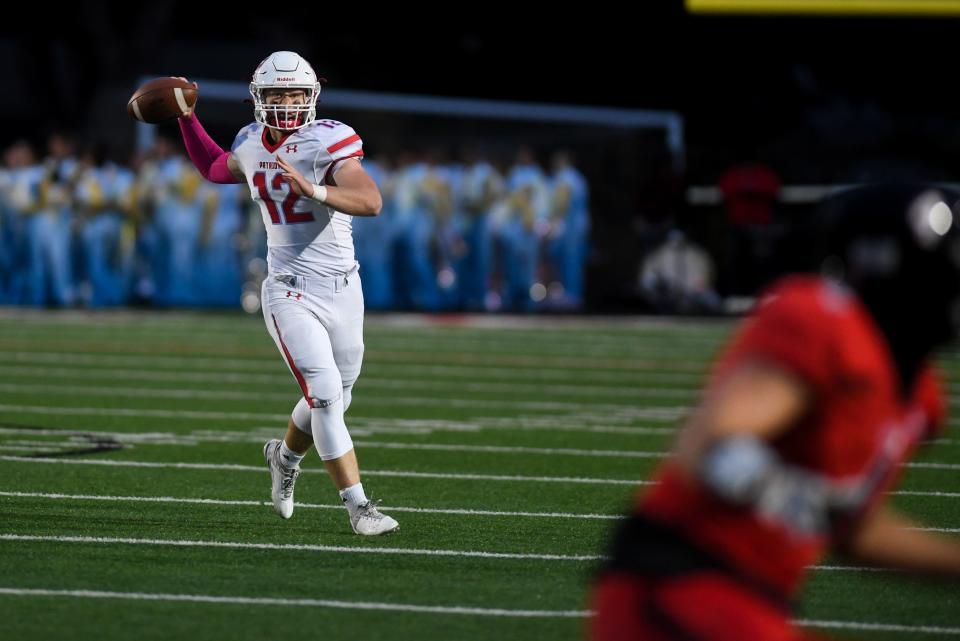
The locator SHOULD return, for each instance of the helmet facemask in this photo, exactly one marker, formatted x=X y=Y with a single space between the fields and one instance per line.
x=284 y=117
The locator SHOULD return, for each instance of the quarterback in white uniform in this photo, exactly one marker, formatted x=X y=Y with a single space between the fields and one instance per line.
x=306 y=176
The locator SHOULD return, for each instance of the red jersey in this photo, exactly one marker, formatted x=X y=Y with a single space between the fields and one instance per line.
x=750 y=192
x=860 y=429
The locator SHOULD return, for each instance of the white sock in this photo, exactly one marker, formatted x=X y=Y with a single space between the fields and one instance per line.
x=353 y=497
x=288 y=457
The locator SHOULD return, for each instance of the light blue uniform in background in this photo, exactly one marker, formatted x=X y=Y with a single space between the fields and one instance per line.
x=520 y=239
x=447 y=237
x=102 y=259
x=569 y=245
x=46 y=277
x=8 y=239
x=219 y=270
x=476 y=229
x=178 y=216
x=416 y=279
x=373 y=242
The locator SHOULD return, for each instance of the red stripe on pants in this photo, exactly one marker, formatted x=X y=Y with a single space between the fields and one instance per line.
x=293 y=366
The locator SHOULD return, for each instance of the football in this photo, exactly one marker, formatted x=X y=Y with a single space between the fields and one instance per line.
x=162 y=99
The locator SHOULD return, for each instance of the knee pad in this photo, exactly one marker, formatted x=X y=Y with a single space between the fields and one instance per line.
x=330 y=433
x=301 y=416
x=347 y=397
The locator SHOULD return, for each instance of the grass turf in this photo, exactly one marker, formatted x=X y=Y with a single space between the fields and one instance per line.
x=444 y=417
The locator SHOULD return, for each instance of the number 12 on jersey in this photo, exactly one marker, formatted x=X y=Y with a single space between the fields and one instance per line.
x=290 y=217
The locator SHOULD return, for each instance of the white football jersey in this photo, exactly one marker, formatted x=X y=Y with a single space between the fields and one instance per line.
x=303 y=236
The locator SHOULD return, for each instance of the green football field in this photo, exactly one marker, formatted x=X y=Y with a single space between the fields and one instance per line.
x=134 y=501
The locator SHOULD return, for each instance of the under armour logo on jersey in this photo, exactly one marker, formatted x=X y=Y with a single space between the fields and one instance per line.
x=291 y=149
x=294 y=296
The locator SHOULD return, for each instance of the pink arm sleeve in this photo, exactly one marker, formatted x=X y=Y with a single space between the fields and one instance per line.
x=207 y=157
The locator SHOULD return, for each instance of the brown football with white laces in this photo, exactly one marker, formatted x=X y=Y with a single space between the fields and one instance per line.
x=162 y=99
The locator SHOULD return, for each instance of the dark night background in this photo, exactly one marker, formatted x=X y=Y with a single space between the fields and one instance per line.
x=741 y=83
x=821 y=100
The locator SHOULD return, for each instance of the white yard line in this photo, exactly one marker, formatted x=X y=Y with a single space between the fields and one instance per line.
x=143 y=413
x=110 y=360
x=876 y=627
x=499 y=449
x=952 y=495
x=529 y=343
x=318 y=603
x=382 y=473
x=190 y=439
x=309 y=506
x=31 y=359
x=350 y=549
x=619 y=412
x=304 y=547
x=359 y=426
x=259 y=396
x=421 y=609
x=426 y=322
x=256 y=382
x=536 y=328
x=321 y=506
x=438 y=447
x=932 y=466
x=846 y=568
x=414 y=357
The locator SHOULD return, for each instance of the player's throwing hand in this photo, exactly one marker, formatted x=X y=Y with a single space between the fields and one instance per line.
x=295 y=179
x=189 y=112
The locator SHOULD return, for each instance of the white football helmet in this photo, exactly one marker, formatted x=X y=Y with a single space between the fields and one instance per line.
x=284 y=70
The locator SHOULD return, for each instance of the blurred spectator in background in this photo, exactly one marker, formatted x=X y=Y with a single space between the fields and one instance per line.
x=146 y=259
x=102 y=195
x=523 y=224
x=46 y=204
x=374 y=239
x=677 y=278
x=418 y=192
x=448 y=247
x=20 y=199
x=482 y=187
x=182 y=205
x=452 y=235
x=219 y=261
x=568 y=237
x=750 y=192
x=6 y=232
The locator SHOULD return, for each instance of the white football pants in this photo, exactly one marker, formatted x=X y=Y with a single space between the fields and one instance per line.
x=317 y=324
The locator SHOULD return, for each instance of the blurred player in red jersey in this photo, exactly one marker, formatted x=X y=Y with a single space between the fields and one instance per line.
x=820 y=398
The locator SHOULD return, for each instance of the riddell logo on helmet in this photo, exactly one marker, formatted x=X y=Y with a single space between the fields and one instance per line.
x=286 y=79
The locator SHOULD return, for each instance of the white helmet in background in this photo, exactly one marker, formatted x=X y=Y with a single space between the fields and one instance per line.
x=284 y=70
